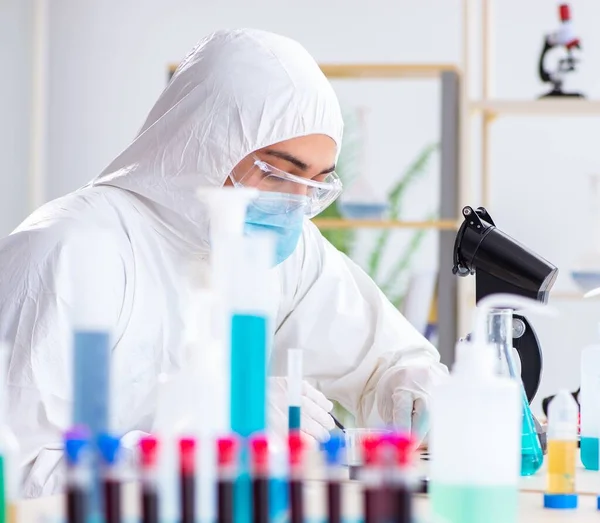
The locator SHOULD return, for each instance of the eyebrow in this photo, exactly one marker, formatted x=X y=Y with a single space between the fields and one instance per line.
x=303 y=166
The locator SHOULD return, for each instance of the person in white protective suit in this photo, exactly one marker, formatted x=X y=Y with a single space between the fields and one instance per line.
x=244 y=108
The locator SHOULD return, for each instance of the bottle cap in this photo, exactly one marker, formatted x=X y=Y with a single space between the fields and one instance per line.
x=560 y=501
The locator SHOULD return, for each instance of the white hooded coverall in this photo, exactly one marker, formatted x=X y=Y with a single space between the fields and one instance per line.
x=237 y=91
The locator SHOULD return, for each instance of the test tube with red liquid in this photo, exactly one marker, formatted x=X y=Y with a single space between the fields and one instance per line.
x=227 y=470
x=149 y=449
x=371 y=475
x=187 y=479
x=259 y=457
x=296 y=461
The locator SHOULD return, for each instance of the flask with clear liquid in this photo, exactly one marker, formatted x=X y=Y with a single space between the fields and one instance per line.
x=496 y=314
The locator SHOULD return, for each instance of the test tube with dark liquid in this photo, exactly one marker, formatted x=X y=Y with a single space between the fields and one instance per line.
x=227 y=470
x=78 y=475
x=149 y=449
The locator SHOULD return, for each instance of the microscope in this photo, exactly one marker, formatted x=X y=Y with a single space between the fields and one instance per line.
x=563 y=37
x=503 y=265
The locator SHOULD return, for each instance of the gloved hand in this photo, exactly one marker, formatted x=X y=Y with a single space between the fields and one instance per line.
x=315 y=421
x=404 y=393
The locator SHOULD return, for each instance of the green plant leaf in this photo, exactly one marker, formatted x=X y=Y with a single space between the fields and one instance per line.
x=415 y=170
x=390 y=284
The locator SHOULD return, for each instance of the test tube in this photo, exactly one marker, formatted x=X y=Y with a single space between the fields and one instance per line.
x=149 y=478
x=332 y=449
x=108 y=447
x=372 y=480
x=260 y=479
x=187 y=479
x=227 y=460
x=78 y=475
x=562 y=452
x=296 y=457
x=294 y=365
x=402 y=487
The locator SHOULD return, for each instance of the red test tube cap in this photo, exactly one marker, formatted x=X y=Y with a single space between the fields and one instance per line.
x=405 y=447
x=564 y=12
x=370 y=447
x=226 y=451
x=259 y=451
x=296 y=448
x=148 y=451
x=187 y=455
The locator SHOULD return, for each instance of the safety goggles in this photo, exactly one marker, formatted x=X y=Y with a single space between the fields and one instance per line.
x=311 y=195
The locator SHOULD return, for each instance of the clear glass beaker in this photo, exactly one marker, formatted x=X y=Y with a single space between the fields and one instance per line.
x=500 y=335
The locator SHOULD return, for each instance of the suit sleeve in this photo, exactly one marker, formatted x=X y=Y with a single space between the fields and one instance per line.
x=39 y=300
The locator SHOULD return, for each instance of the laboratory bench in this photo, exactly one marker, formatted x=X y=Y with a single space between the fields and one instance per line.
x=48 y=510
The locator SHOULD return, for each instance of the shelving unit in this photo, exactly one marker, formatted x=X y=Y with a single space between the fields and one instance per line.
x=448 y=223
x=536 y=107
x=335 y=223
x=490 y=108
x=373 y=71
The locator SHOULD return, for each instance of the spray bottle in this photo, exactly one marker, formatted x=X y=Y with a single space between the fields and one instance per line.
x=494 y=325
x=476 y=419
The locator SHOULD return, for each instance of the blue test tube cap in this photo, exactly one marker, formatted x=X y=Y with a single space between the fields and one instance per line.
x=332 y=448
x=76 y=443
x=109 y=446
x=560 y=501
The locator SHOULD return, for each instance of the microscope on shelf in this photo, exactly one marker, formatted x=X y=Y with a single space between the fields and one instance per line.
x=563 y=37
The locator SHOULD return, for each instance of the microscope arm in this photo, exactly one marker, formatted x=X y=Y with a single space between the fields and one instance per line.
x=545 y=76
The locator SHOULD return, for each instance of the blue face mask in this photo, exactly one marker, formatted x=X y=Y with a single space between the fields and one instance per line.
x=278 y=219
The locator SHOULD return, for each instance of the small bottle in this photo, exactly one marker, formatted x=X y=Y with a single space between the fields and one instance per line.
x=562 y=452
x=589 y=399
x=476 y=440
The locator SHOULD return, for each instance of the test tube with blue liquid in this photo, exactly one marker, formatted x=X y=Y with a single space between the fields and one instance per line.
x=500 y=334
x=294 y=364
x=250 y=331
x=92 y=343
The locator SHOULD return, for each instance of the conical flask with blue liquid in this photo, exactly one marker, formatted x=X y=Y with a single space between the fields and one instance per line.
x=494 y=323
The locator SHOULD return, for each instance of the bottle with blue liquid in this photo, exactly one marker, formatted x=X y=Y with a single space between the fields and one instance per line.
x=589 y=399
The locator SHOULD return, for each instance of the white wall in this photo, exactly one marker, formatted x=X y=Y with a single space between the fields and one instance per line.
x=15 y=97
x=108 y=63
